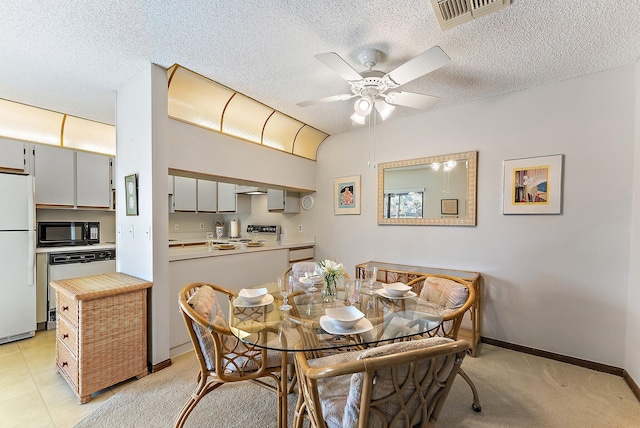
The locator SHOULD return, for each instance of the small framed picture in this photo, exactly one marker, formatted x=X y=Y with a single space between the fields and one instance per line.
x=346 y=194
x=532 y=185
x=131 y=194
x=449 y=206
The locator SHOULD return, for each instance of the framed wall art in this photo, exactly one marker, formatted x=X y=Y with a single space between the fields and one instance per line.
x=346 y=195
x=131 y=194
x=533 y=185
x=449 y=206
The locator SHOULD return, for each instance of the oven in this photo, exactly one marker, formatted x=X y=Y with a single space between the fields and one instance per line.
x=72 y=264
x=68 y=233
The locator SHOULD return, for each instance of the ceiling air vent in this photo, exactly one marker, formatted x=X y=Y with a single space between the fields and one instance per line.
x=455 y=12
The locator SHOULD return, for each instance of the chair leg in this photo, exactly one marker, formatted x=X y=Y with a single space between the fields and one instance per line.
x=202 y=389
x=476 y=400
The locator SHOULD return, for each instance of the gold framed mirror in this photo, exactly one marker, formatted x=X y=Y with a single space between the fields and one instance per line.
x=436 y=190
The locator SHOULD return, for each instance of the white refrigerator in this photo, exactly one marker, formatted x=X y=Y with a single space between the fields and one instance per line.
x=17 y=258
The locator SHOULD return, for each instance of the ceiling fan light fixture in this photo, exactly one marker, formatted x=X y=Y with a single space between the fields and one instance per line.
x=363 y=106
x=385 y=109
x=358 y=119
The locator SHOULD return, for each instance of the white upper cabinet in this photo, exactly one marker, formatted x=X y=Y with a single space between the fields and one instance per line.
x=184 y=194
x=226 y=197
x=283 y=201
x=70 y=179
x=55 y=176
x=93 y=180
x=230 y=202
x=207 y=196
x=13 y=155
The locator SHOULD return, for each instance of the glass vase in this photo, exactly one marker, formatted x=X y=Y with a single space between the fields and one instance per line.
x=330 y=290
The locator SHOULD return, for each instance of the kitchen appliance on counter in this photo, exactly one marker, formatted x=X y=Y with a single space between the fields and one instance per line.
x=263 y=233
x=17 y=258
x=72 y=264
x=68 y=233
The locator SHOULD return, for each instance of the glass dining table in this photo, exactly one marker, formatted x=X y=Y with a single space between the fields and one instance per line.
x=306 y=328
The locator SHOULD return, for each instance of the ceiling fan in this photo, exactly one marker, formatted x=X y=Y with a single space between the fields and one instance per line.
x=377 y=89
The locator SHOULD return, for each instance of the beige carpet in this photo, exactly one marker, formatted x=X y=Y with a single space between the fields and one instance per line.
x=516 y=390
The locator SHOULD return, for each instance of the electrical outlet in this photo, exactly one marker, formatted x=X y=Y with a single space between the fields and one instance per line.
x=299 y=228
x=201 y=226
x=176 y=226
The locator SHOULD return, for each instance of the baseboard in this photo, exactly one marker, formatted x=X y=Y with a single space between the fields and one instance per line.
x=557 y=357
x=161 y=365
x=632 y=384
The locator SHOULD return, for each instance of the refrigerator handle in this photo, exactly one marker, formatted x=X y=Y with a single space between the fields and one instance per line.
x=31 y=263
x=31 y=201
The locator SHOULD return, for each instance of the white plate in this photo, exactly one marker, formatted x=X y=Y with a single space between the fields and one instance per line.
x=384 y=293
x=241 y=303
x=361 y=326
x=310 y=279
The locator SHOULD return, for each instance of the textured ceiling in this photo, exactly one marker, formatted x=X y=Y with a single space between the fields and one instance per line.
x=72 y=56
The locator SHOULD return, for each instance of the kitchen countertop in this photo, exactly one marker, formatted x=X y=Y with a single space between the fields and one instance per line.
x=101 y=246
x=192 y=251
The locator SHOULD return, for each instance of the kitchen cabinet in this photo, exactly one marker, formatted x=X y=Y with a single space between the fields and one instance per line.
x=207 y=196
x=55 y=176
x=301 y=254
x=283 y=201
x=184 y=194
x=70 y=179
x=13 y=156
x=230 y=202
x=101 y=336
x=93 y=180
x=170 y=185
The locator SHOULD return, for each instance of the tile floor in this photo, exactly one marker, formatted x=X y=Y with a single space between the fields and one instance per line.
x=32 y=393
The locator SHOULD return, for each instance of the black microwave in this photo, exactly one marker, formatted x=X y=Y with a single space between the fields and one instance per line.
x=68 y=233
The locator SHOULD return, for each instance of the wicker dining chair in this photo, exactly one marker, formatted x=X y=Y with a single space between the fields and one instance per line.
x=399 y=384
x=453 y=296
x=222 y=357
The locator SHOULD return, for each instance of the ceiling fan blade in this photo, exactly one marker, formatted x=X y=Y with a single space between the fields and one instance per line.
x=341 y=97
x=428 y=61
x=411 y=99
x=340 y=66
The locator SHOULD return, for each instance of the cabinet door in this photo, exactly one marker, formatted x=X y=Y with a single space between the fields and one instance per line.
x=207 y=196
x=93 y=180
x=184 y=194
x=55 y=174
x=275 y=200
x=226 y=197
x=12 y=155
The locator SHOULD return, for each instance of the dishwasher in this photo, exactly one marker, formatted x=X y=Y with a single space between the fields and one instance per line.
x=72 y=264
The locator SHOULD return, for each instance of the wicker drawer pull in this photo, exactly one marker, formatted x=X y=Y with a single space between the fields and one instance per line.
x=65 y=308
x=65 y=336
x=65 y=364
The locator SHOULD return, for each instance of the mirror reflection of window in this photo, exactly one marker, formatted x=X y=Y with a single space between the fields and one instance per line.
x=439 y=178
x=403 y=205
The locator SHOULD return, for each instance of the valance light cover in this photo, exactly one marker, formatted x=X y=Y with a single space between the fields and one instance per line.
x=200 y=101
x=36 y=125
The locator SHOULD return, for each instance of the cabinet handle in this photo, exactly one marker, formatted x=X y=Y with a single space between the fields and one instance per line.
x=65 y=308
x=65 y=336
x=65 y=364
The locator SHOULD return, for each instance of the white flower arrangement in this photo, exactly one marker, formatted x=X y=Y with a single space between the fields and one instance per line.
x=331 y=270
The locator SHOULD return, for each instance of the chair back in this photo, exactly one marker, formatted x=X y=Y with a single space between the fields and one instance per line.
x=452 y=295
x=400 y=384
x=216 y=348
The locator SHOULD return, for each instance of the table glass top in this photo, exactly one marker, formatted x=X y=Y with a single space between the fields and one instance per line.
x=306 y=327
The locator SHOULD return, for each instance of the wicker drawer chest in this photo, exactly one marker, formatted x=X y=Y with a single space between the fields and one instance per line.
x=102 y=331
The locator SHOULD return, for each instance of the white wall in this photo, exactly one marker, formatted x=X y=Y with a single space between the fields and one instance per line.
x=141 y=139
x=632 y=364
x=553 y=282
